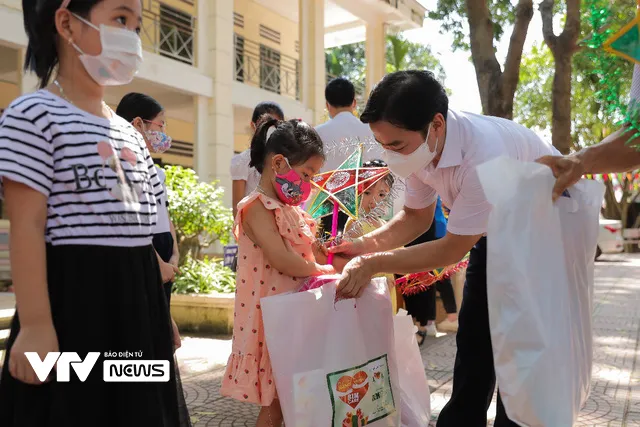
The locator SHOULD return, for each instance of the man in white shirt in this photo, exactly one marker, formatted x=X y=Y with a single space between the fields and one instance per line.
x=343 y=128
x=437 y=150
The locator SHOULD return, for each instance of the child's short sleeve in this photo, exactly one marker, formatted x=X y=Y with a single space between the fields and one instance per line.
x=26 y=151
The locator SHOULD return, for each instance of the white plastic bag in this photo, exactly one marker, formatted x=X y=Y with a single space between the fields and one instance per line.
x=415 y=398
x=540 y=258
x=331 y=359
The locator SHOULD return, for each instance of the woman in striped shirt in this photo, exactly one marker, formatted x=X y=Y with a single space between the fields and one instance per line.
x=82 y=195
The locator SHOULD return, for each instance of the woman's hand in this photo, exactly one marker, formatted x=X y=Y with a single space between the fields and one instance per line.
x=175 y=261
x=177 y=341
x=168 y=272
x=39 y=338
x=356 y=275
x=567 y=169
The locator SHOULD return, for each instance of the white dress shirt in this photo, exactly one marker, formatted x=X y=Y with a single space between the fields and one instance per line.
x=471 y=140
x=163 y=223
x=344 y=128
x=240 y=171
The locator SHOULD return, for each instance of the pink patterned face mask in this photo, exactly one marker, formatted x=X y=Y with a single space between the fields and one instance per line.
x=159 y=141
x=291 y=188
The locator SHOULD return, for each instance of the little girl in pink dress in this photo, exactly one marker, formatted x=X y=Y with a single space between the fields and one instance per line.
x=276 y=251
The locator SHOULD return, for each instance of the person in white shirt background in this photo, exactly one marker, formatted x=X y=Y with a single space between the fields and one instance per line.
x=437 y=150
x=343 y=128
x=148 y=117
x=245 y=178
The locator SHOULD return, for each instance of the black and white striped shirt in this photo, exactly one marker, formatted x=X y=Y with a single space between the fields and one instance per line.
x=97 y=174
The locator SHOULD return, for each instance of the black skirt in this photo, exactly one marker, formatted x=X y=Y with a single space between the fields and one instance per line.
x=103 y=299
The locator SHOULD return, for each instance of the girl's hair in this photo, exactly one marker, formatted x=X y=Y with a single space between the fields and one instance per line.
x=294 y=139
x=39 y=24
x=377 y=163
x=134 y=105
x=265 y=109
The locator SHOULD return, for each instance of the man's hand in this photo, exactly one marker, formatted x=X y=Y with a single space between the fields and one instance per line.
x=356 y=275
x=567 y=169
x=349 y=248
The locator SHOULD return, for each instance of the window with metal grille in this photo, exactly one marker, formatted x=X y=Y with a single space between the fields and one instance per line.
x=239 y=55
x=269 y=34
x=176 y=34
x=269 y=69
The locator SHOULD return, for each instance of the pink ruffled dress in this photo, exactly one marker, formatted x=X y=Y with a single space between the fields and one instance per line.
x=248 y=376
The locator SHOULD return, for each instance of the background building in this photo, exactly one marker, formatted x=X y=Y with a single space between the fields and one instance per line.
x=209 y=62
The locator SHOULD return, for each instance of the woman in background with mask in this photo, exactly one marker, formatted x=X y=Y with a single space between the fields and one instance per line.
x=148 y=117
x=82 y=193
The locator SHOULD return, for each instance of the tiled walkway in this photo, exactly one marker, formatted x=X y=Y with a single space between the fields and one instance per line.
x=615 y=396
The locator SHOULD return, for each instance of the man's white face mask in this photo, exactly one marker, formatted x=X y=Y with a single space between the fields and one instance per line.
x=405 y=165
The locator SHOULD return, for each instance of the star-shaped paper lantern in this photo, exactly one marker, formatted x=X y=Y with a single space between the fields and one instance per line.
x=343 y=186
x=626 y=42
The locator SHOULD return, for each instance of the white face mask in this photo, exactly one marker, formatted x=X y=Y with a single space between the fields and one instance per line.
x=120 y=59
x=405 y=165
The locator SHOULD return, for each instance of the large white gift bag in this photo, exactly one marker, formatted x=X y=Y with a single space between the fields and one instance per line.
x=540 y=259
x=334 y=362
x=415 y=398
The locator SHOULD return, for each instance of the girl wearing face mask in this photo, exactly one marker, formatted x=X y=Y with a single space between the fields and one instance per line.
x=82 y=195
x=276 y=250
x=148 y=117
x=371 y=198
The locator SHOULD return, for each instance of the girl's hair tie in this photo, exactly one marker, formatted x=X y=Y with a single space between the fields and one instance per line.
x=270 y=132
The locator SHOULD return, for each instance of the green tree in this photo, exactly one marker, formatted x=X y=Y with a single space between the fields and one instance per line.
x=401 y=54
x=486 y=21
x=197 y=211
x=347 y=61
x=590 y=122
x=562 y=47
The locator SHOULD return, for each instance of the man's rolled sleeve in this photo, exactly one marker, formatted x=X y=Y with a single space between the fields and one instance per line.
x=418 y=195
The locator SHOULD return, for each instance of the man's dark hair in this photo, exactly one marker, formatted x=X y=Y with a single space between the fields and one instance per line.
x=340 y=93
x=264 y=108
x=407 y=99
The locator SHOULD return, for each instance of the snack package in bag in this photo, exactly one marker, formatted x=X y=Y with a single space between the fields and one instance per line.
x=415 y=398
x=540 y=267
x=334 y=361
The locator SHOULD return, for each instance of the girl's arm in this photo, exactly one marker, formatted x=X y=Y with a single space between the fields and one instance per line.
x=261 y=228
x=175 y=258
x=319 y=252
x=238 y=188
x=27 y=210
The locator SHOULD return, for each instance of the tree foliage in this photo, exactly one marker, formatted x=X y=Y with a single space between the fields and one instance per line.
x=476 y=26
x=453 y=18
x=401 y=54
x=197 y=211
